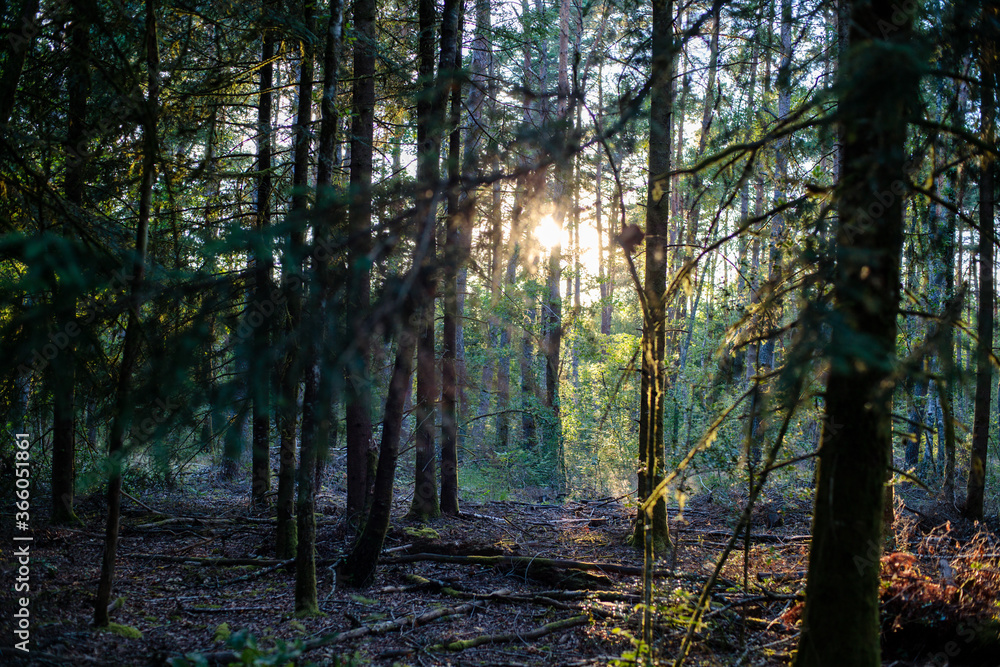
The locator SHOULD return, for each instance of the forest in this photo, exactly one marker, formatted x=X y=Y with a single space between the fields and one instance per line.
x=499 y=332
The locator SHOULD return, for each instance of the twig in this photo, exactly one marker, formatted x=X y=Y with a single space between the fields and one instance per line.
x=139 y=502
x=257 y=574
x=501 y=638
x=221 y=562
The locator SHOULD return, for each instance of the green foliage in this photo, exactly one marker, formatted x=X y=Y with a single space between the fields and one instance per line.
x=640 y=653
x=244 y=645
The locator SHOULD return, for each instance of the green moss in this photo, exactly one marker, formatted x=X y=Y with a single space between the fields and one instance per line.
x=126 y=631
x=311 y=612
x=363 y=600
x=425 y=532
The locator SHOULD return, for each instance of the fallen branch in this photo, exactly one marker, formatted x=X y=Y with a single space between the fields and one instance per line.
x=505 y=637
x=388 y=626
x=526 y=562
x=258 y=573
x=221 y=562
x=762 y=538
x=792 y=575
x=514 y=561
x=221 y=610
x=139 y=502
x=187 y=520
x=483 y=517
x=756 y=599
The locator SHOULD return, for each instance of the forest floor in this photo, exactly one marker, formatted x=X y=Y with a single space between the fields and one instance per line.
x=432 y=595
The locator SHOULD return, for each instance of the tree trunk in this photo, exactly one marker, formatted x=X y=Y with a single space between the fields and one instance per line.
x=294 y=284
x=946 y=386
x=651 y=527
x=458 y=218
x=603 y=275
x=841 y=618
x=122 y=415
x=260 y=361
x=64 y=372
x=317 y=408
x=431 y=105
x=916 y=434
x=359 y=568
x=976 y=488
x=358 y=394
x=767 y=356
x=552 y=434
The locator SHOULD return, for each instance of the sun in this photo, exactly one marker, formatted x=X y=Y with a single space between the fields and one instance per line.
x=548 y=233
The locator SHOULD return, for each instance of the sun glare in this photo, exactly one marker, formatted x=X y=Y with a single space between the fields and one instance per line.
x=547 y=233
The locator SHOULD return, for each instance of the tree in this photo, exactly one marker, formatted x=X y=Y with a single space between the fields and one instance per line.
x=453 y=259
x=130 y=352
x=984 y=330
x=429 y=119
x=877 y=90
x=293 y=282
x=64 y=300
x=359 y=567
x=357 y=400
x=260 y=366
x=318 y=420
x=651 y=526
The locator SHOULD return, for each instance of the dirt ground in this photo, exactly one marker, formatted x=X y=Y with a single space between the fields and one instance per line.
x=424 y=605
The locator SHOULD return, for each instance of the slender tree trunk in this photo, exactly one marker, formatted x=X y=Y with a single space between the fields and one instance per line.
x=294 y=284
x=359 y=568
x=603 y=275
x=481 y=70
x=707 y=114
x=330 y=199
x=260 y=362
x=767 y=357
x=425 y=499
x=651 y=526
x=503 y=365
x=553 y=310
x=431 y=105
x=916 y=427
x=755 y=322
x=122 y=416
x=64 y=372
x=841 y=618
x=946 y=387
x=984 y=367
x=317 y=404
x=358 y=394
x=458 y=219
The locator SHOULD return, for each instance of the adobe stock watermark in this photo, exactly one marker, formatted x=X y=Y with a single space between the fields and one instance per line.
x=865 y=218
x=968 y=632
x=22 y=539
x=902 y=13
